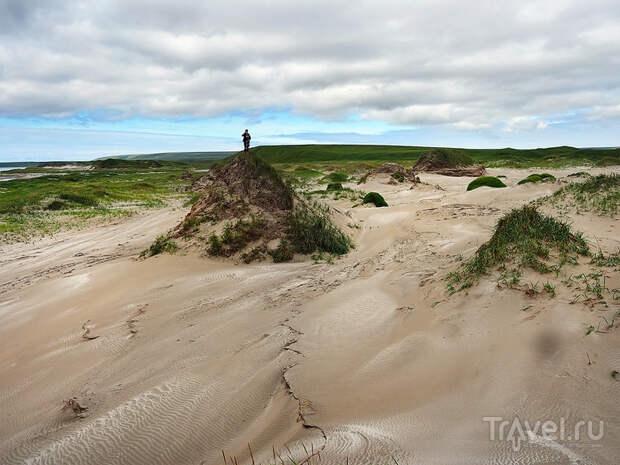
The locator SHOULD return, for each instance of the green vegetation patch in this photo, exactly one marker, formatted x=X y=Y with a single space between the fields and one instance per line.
x=341 y=155
x=236 y=236
x=311 y=229
x=399 y=176
x=283 y=253
x=542 y=177
x=162 y=244
x=489 y=181
x=375 y=198
x=525 y=238
x=46 y=204
x=334 y=186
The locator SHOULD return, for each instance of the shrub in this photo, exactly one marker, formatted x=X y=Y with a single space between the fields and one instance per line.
x=489 y=181
x=56 y=205
x=334 y=186
x=310 y=228
x=399 y=176
x=79 y=199
x=375 y=198
x=161 y=244
x=215 y=245
x=543 y=177
x=283 y=253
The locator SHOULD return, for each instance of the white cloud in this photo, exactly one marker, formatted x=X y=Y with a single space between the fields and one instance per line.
x=465 y=65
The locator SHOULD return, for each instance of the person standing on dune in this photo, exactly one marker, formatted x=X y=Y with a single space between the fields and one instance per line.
x=246 y=140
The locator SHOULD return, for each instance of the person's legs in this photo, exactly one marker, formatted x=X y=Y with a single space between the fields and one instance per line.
x=246 y=145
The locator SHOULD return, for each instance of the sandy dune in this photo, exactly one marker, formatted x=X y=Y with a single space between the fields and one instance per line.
x=361 y=360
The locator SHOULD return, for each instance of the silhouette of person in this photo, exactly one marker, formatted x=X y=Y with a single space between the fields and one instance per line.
x=246 y=140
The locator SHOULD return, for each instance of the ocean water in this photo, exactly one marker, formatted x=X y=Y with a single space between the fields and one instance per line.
x=7 y=168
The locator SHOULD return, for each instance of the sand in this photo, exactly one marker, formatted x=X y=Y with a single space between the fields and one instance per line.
x=362 y=360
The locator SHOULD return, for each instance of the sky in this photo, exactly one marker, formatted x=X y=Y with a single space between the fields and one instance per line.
x=81 y=79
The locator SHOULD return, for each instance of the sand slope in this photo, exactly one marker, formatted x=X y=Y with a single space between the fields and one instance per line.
x=195 y=356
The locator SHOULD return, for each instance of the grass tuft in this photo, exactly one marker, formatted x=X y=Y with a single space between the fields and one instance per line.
x=161 y=244
x=525 y=237
x=310 y=229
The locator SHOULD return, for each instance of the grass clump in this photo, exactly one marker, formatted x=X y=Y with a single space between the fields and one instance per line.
x=283 y=253
x=524 y=237
x=310 y=229
x=489 y=181
x=399 y=176
x=162 y=244
x=543 y=177
x=611 y=260
x=375 y=198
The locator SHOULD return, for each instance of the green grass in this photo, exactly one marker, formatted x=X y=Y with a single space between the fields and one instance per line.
x=373 y=154
x=399 y=176
x=162 y=244
x=236 y=236
x=49 y=203
x=311 y=229
x=534 y=178
x=524 y=238
x=283 y=253
x=375 y=198
x=489 y=181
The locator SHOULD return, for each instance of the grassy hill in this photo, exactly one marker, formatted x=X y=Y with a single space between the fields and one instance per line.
x=553 y=156
x=183 y=157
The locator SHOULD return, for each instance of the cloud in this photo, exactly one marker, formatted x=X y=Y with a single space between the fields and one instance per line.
x=524 y=123
x=465 y=66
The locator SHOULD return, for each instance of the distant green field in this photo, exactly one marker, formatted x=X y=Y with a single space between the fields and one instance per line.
x=508 y=157
x=183 y=157
x=66 y=199
x=289 y=155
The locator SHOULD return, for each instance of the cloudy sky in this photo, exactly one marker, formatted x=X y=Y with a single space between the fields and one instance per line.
x=86 y=78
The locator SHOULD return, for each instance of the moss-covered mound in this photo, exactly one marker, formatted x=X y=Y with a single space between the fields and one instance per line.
x=542 y=177
x=334 y=186
x=489 y=181
x=522 y=238
x=375 y=198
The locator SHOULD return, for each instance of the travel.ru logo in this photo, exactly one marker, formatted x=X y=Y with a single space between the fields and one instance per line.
x=516 y=430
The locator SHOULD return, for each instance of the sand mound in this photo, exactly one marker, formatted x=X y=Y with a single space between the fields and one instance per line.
x=448 y=163
x=396 y=171
x=245 y=205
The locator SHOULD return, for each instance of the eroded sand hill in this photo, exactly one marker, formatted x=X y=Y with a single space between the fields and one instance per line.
x=362 y=360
